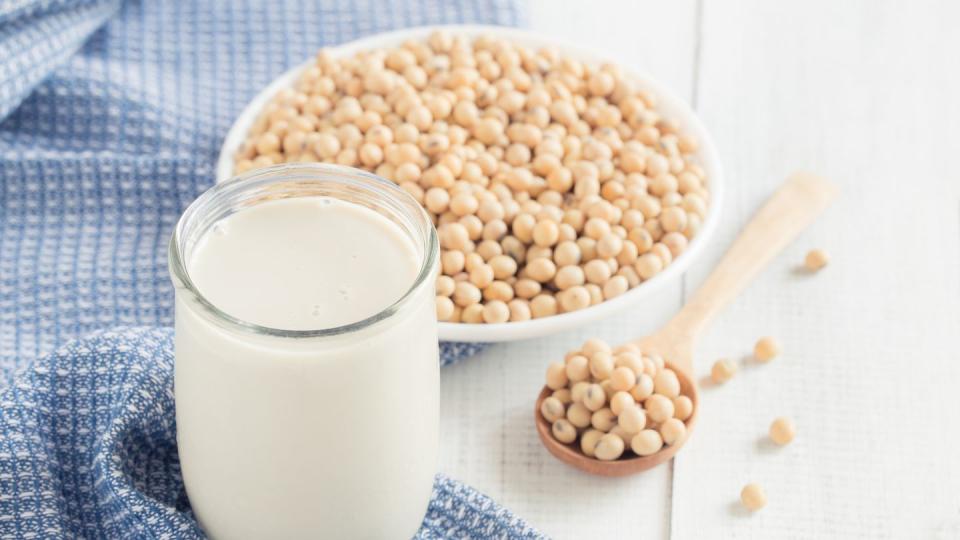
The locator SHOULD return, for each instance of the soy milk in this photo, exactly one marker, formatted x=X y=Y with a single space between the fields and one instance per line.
x=333 y=436
x=304 y=264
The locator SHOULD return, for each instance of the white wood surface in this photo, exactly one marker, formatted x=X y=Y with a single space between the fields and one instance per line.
x=866 y=93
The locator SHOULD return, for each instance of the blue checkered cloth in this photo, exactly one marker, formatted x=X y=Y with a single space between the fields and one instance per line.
x=111 y=115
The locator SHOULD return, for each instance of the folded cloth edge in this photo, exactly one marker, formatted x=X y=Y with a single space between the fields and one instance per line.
x=37 y=37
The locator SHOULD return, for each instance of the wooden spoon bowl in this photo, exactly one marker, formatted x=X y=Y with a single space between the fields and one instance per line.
x=794 y=206
x=629 y=463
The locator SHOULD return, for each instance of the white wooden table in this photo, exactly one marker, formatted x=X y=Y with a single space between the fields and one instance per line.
x=866 y=93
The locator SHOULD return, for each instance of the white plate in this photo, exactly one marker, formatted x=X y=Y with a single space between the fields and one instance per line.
x=672 y=106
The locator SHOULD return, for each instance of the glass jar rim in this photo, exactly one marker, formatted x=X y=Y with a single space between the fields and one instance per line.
x=304 y=174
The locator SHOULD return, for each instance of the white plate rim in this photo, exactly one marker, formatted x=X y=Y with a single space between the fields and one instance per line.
x=676 y=107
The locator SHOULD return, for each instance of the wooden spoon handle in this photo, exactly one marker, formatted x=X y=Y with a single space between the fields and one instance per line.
x=794 y=206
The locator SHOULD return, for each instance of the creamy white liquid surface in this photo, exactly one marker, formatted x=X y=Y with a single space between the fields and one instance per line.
x=303 y=264
x=332 y=437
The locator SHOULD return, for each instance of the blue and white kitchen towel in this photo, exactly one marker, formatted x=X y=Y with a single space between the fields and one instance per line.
x=111 y=115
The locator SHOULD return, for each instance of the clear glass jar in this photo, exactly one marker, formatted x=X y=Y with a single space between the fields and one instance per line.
x=293 y=433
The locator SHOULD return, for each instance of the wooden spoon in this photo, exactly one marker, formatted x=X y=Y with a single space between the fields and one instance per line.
x=794 y=206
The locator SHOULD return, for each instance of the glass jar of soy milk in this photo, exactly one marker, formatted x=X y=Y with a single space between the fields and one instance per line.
x=306 y=369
